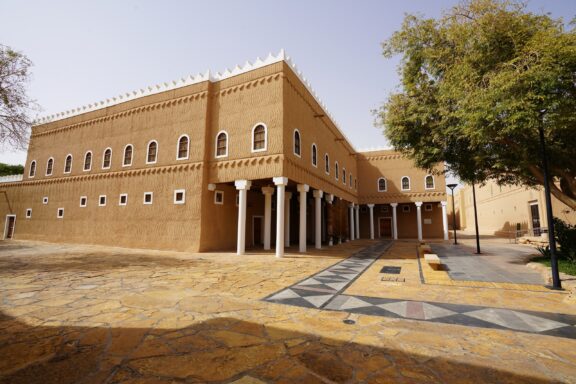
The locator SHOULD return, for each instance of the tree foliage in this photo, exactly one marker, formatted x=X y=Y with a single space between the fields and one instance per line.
x=15 y=105
x=474 y=83
x=7 y=169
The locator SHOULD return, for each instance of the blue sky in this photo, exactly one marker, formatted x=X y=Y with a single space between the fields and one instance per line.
x=88 y=51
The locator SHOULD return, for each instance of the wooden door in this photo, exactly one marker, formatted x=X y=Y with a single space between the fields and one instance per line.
x=386 y=227
x=257 y=230
x=535 y=213
x=10 y=222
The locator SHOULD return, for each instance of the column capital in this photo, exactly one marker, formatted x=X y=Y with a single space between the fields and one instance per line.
x=318 y=193
x=351 y=205
x=288 y=195
x=303 y=187
x=418 y=204
x=329 y=198
x=393 y=205
x=268 y=190
x=243 y=184
x=280 y=180
x=357 y=207
x=444 y=203
x=370 y=206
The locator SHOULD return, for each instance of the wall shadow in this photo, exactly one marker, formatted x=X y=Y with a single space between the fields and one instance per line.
x=216 y=351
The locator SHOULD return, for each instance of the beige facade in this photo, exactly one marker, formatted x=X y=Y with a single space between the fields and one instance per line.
x=502 y=210
x=150 y=171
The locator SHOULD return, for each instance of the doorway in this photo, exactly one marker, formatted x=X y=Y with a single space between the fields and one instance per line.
x=535 y=215
x=9 y=227
x=258 y=230
x=385 y=227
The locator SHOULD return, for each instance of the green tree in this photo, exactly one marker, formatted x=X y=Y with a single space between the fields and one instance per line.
x=7 y=169
x=15 y=105
x=474 y=83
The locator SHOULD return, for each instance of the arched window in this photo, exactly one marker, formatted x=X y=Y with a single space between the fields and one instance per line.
x=259 y=138
x=350 y=180
x=336 y=171
x=314 y=155
x=68 y=164
x=32 y=172
x=152 y=152
x=405 y=183
x=107 y=158
x=297 y=149
x=327 y=164
x=49 y=166
x=128 y=153
x=222 y=144
x=429 y=181
x=183 y=147
x=88 y=161
x=382 y=185
x=344 y=176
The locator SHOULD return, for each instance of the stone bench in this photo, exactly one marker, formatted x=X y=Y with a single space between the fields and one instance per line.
x=433 y=260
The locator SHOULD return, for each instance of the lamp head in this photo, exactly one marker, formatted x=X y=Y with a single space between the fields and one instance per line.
x=452 y=186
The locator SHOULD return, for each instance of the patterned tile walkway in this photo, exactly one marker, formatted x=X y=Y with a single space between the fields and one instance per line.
x=324 y=290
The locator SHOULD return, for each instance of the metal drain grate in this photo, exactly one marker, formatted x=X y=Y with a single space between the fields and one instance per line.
x=393 y=279
x=391 y=270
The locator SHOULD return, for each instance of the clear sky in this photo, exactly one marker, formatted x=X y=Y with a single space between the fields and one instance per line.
x=86 y=51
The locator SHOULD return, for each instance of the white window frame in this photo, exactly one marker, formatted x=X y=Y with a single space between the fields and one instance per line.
x=216 y=193
x=45 y=200
x=151 y=198
x=344 y=180
x=187 y=148
x=71 y=163
x=336 y=170
x=385 y=184
x=402 y=184
x=433 y=182
x=350 y=177
x=216 y=145
x=428 y=207
x=85 y=202
x=104 y=156
x=176 y=192
x=52 y=171
x=299 y=155
x=312 y=148
x=91 y=161
x=327 y=163
x=406 y=208
x=30 y=169
x=124 y=156
x=120 y=199
x=148 y=151
x=100 y=200
x=265 y=138
x=28 y=213
x=58 y=216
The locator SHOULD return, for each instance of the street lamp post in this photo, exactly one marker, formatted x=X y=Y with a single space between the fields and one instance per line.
x=556 y=284
x=476 y=220
x=452 y=186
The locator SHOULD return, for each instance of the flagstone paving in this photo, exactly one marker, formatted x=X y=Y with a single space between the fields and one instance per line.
x=86 y=314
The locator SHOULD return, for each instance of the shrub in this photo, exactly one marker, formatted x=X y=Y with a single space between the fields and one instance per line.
x=566 y=237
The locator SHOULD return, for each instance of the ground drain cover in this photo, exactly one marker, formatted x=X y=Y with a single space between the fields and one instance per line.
x=394 y=279
x=349 y=321
x=391 y=270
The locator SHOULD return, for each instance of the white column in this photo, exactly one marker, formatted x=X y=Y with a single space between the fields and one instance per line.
x=357 y=222
x=302 y=189
x=281 y=183
x=267 y=191
x=419 y=218
x=318 y=218
x=288 y=196
x=444 y=220
x=371 y=208
x=242 y=186
x=351 y=221
x=394 y=221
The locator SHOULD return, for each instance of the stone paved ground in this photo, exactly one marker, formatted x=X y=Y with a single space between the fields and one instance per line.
x=84 y=314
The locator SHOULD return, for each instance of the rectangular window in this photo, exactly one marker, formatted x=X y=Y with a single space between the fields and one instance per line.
x=148 y=197
x=428 y=207
x=29 y=213
x=363 y=209
x=219 y=197
x=45 y=200
x=405 y=208
x=384 y=208
x=102 y=200
x=123 y=199
x=179 y=196
x=83 y=201
x=60 y=213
